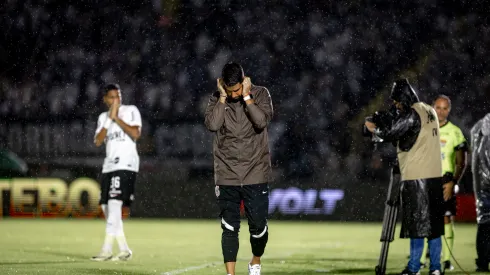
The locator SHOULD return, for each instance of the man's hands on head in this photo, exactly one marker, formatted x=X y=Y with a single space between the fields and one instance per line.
x=221 y=89
x=247 y=85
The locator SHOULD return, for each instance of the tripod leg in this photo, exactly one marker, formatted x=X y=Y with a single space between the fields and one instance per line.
x=389 y=223
x=387 y=236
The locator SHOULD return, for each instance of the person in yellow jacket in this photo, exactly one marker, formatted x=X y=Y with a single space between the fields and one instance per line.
x=454 y=148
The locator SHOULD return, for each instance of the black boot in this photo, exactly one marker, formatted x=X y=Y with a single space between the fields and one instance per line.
x=408 y=272
x=448 y=266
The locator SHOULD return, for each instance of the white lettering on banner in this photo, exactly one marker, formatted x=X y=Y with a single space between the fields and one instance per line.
x=294 y=201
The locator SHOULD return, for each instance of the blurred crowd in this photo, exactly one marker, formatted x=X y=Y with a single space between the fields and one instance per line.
x=323 y=62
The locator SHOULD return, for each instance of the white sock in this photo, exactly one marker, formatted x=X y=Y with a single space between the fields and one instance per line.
x=123 y=245
x=111 y=220
x=115 y=210
x=120 y=237
x=108 y=243
x=110 y=228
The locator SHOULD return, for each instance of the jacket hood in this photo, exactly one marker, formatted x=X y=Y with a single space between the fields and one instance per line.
x=404 y=93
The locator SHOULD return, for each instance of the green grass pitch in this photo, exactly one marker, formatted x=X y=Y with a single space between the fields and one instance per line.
x=64 y=246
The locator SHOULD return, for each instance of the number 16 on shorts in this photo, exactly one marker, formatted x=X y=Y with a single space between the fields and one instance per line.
x=115 y=188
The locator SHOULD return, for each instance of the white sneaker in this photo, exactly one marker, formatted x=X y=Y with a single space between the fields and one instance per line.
x=123 y=256
x=254 y=269
x=435 y=272
x=103 y=256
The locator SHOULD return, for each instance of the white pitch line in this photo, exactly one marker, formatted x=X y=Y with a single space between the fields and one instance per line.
x=183 y=270
x=197 y=267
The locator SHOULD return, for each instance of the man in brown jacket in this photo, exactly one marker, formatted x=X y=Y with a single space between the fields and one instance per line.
x=238 y=114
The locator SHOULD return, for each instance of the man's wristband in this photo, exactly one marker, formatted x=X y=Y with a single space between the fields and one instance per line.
x=247 y=98
x=107 y=123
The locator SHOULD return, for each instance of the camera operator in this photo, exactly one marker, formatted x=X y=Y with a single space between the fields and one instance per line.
x=414 y=130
